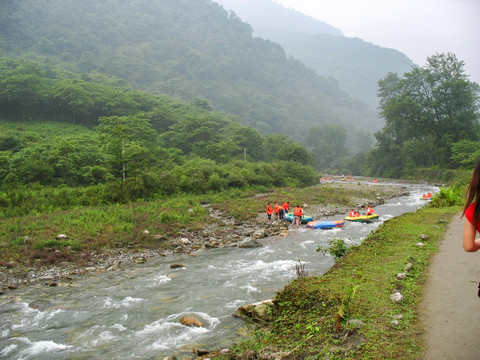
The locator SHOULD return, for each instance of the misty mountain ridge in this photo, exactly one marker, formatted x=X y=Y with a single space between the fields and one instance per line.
x=271 y=15
x=186 y=49
x=357 y=65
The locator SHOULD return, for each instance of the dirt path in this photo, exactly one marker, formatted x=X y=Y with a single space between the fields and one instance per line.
x=450 y=311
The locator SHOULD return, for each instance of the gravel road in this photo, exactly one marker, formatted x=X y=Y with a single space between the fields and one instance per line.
x=450 y=311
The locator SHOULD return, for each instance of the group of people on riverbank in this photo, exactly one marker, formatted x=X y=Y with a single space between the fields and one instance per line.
x=278 y=211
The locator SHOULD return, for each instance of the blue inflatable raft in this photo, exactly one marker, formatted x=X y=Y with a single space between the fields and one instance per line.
x=326 y=224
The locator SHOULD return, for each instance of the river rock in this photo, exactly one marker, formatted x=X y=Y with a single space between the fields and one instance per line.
x=200 y=352
x=248 y=309
x=39 y=305
x=260 y=312
x=408 y=267
x=191 y=320
x=424 y=237
x=139 y=260
x=177 y=266
x=259 y=234
x=249 y=243
x=185 y=241
x=396 y=297
x=62 y=237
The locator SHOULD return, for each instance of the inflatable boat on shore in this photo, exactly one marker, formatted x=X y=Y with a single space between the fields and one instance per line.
x=326 y=224
x=305 y=219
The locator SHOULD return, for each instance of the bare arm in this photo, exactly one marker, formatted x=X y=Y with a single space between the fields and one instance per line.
x=469 y=242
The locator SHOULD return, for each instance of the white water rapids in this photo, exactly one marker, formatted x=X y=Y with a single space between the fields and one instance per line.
x=134 y=314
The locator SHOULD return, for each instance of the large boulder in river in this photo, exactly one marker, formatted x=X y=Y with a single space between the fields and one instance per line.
x=190 y=320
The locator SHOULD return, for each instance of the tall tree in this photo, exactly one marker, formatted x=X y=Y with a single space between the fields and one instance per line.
x=129 y=141
x=426 y=112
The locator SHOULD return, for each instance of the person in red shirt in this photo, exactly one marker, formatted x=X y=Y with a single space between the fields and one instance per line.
x=471 y=211
x=286 y=207
x=269 y=212
x=369 y=211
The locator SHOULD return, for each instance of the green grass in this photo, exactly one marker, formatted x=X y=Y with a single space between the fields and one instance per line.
x=306 y=310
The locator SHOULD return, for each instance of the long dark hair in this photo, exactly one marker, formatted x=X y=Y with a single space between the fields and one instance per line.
x=473 y=194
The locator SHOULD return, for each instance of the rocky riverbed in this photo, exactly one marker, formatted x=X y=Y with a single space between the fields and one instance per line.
x=224 y=231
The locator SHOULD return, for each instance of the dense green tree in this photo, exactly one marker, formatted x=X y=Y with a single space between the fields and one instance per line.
x=73 y=98
x=294 y=152
x=426 y=113
x=129 y=142
x=274 y=143
x=23 y=87
x=466 y=153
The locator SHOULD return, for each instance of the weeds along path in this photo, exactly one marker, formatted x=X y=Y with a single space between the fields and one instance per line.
x=450 y=310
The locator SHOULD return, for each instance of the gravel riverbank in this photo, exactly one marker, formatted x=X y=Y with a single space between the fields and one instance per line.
x=224 y=231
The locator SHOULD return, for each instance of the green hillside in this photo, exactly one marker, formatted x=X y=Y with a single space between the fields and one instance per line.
x=186 y=49
x=68 y=141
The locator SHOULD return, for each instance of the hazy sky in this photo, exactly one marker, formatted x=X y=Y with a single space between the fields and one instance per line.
x=418 y=28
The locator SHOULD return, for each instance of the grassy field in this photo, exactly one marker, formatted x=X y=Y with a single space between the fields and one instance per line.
x=306 y=320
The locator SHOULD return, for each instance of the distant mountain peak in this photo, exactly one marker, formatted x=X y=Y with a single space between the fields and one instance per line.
x=270 y=14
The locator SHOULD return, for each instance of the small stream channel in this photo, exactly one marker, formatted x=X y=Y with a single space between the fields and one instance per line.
x=134 y=314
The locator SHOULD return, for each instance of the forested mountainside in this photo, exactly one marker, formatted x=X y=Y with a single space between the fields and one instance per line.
x=186 y=49
x=356 y=65
x=124 y=145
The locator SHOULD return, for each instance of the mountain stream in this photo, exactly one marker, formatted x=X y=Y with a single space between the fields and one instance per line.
x=134 y=314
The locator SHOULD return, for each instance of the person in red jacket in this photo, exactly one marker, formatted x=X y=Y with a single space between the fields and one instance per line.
x=269 y=212
x=353 y=213
x=286 y=207
x=276 y=210
x=369 y=211
x=471 y=211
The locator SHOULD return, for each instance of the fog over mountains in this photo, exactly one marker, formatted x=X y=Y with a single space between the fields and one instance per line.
x=356 y=65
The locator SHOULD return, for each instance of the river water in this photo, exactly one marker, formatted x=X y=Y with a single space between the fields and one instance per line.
x=134 y=314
